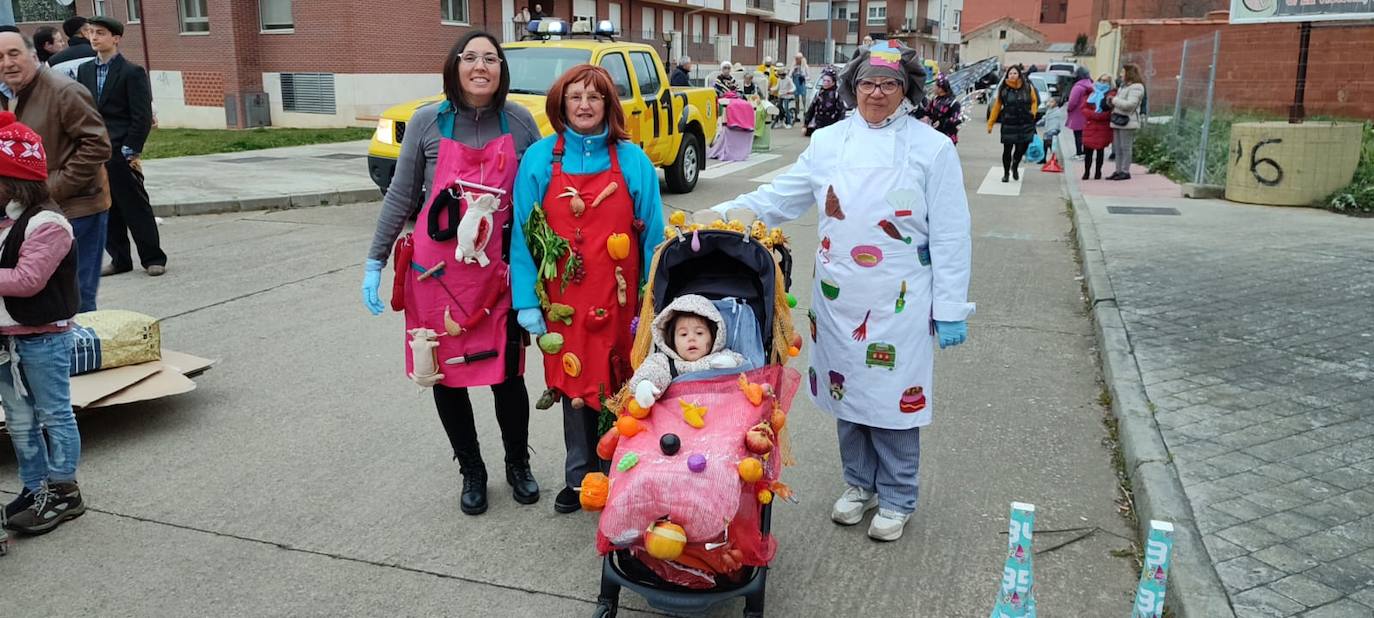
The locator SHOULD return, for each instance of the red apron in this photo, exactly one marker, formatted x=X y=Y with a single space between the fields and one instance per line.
x=595 y=359
x=478 y=298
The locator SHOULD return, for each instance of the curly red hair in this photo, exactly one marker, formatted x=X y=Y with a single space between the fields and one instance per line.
x=600 y=81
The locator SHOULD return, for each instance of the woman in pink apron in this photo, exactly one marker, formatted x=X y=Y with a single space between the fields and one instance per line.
x=596 y=191
x=452 y=274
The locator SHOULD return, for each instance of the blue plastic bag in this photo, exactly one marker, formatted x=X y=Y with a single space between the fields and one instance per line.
x=1036 y=152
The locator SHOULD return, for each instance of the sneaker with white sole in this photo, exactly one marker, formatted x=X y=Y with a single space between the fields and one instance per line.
x=852 y=505
x=887 y=525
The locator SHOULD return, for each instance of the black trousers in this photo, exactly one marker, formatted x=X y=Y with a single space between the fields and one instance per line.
x=130 y=214
x=1088 y=160
x=1012 y=155
x=1078 y=142
x=512 y=414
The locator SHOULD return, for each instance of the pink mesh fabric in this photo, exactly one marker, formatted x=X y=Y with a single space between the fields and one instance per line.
x=703 y=503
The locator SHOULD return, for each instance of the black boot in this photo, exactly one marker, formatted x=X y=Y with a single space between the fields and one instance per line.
x=1006 y=176
x=1016 y=173
x=521 y=479
x=474 y=498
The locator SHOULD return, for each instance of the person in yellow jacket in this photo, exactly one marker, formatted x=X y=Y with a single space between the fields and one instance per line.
x=769 y=72
x=1014 y=106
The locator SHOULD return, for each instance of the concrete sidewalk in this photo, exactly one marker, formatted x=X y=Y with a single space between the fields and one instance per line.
x=293 y=177
x=1237 y=344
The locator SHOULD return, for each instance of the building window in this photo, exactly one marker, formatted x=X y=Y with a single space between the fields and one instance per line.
x=668 y=25
x=696 y=29
x=613 y=14
x=1054 y=11
x=1001 y=34
x=453 y=11
x=584 y=10
x=749 y=34
x=877 y=13
x=734 y=32
x=275 y=15
x=713 y=27
x=195 y=17
x=647 y=23
x=99 y=7
x=135 y=11
x=957 y=19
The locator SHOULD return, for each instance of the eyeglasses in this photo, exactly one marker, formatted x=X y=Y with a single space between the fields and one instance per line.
x=490 y=60
x=589 y=99
x=888 y=86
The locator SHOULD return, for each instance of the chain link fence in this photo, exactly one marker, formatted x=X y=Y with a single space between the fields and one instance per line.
x=1198 y=87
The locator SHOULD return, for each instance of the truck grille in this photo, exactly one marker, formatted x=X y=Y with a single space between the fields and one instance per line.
x=400 y=131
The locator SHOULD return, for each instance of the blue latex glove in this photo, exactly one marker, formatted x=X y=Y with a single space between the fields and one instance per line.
x=372 y=279
x=532 y=320
x=951 y=333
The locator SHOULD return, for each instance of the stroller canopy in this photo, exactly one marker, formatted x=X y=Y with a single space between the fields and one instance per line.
x=724 y=266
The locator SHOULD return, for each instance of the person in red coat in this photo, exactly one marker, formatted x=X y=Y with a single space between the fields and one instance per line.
x=1097 y=128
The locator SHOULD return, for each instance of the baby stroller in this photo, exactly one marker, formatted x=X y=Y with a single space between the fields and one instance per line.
x=670 y=496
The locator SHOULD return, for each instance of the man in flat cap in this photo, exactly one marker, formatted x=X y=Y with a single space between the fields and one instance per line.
x=125 y=98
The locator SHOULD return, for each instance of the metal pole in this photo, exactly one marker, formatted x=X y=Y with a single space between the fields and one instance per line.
x=1178 y=96
x=829 y=39
x=1200 y=174
x=1297 y=113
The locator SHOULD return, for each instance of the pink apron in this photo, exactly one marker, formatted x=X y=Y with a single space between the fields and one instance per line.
x=478 y=298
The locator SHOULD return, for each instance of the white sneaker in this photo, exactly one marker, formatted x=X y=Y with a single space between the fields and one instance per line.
x=852 y=505
x=887 y=525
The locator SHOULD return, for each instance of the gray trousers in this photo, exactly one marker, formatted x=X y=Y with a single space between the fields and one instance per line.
x=1123 y=144
x=887 y=461
x=579 y=437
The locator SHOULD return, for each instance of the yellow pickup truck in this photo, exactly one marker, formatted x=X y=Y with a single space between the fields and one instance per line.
x=672 y=124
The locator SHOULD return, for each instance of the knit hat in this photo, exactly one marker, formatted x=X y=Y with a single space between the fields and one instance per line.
x=21 y=151
x=884 y=59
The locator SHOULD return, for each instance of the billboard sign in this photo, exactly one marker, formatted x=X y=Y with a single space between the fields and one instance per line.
x=1270 y=11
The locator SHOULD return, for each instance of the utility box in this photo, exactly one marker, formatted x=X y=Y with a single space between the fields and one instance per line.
x=1282 y=164
x=256 y=110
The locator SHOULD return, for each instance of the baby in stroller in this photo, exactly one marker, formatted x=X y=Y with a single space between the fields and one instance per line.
x=698 y=344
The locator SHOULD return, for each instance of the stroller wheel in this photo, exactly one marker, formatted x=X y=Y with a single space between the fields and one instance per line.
x=605 y=609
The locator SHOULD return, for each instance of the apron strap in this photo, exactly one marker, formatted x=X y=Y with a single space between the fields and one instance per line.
x=558 y=155
x=448 y=114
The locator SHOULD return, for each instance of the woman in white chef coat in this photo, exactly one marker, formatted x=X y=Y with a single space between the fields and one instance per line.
x=892 y=273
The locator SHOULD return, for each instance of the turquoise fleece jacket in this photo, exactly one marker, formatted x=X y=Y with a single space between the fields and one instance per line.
x=583 y=154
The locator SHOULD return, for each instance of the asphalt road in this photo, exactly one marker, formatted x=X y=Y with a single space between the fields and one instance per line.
x=307 y=476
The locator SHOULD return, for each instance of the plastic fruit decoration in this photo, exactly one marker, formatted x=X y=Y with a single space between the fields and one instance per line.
x=628 y=426
x=572 y=365
x=753 y=391
x=678 y=218
x=665 y=540
x=595 y=487
x=759 y=439
x=693 y=414
x=627 y=461
x=778 y=419
x=550 y=343
x=605 y=447
x=696 y=463
x=618 y=245
x=765 y=496
x=634 y=409
x=750 y=469
x=670 y=444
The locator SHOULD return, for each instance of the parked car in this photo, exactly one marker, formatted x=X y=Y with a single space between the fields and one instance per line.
x=672 y=124
x=1059 y=84
x=1067 y=67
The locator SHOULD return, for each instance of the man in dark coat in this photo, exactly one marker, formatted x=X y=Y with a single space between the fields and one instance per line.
x=78 y=46
x=682 y=73
x=125 y=99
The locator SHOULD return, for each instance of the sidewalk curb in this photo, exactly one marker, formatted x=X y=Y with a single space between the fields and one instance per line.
x=1195 y=590
x=276 y=202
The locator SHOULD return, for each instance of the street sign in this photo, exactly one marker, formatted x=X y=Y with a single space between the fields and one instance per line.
x=1270 y=11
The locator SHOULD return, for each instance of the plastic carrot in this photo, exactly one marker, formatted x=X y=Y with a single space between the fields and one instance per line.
x=605 y=193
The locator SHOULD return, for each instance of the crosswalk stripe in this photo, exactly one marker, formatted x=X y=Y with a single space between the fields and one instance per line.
x=725 y=169
x=993 y=185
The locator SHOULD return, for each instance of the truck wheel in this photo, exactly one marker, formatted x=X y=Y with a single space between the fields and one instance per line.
x=682 y=174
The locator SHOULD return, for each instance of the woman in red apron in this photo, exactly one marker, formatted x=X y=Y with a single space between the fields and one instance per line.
x=587 y=217
x=451 y=274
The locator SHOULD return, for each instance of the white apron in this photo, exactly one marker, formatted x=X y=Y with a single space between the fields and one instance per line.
x=872 y=357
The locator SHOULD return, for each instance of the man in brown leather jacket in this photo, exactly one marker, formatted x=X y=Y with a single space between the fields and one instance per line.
x=62 y=112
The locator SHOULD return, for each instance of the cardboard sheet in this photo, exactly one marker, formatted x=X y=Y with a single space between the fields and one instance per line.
x=93 y=386
x=142 y=382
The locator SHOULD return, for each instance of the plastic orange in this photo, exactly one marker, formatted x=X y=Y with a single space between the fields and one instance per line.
x=595 y=487
x=678 y=218
x=628 y=426
x=634 y=409
x=765 y=496
x=750 y=469
x=665 y=540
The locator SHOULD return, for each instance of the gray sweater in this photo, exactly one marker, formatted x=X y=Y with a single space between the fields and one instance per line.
x=420 y=151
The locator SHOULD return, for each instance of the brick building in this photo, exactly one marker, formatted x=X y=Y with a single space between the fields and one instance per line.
x=1062 y=21
x=929 y=26
x=317 y=63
